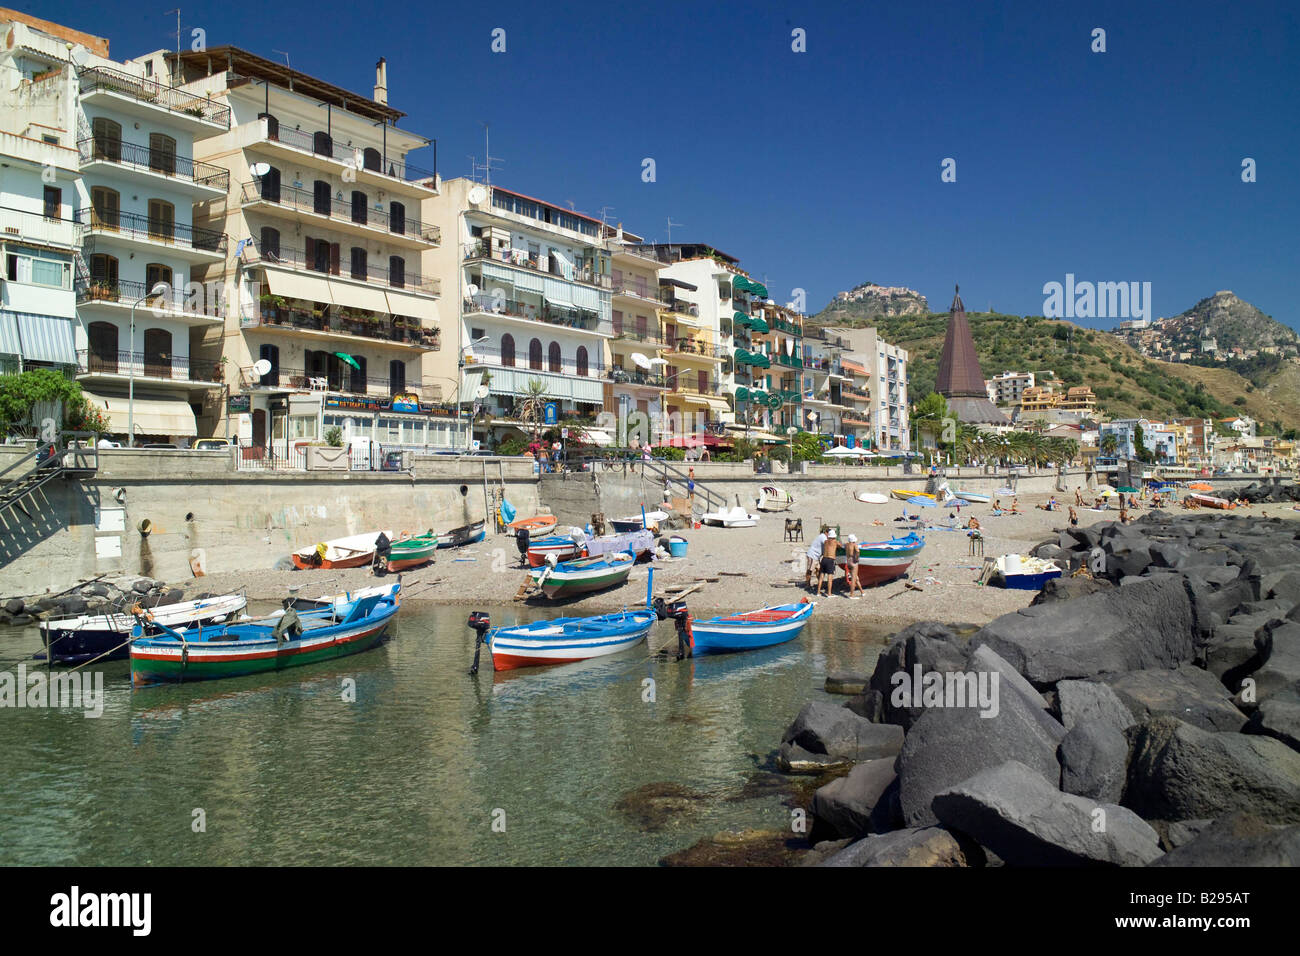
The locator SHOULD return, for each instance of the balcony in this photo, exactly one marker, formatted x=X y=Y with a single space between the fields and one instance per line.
x=625 y=334
x=780 y=325
x=693 y=348
x=568 y=364
x=681 y=307
x=639 y=291
x=547 y=265
x=371 y=165
x=126 y=293
x=336 y=322
x=691 y=384
x=204 y=178
x=854 y=420
x=141 y=97
x=339 y=378
x=638 y=377
x=41 y=230
x=356 y=218
x=789 y=361
x=195 y=243
x=146 y=366
x=577 y=319
x=406 y=280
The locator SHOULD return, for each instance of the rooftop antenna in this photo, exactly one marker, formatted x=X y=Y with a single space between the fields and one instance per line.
x=286 y=58
x=487 y=149
x=670 y=228
x=177 y=11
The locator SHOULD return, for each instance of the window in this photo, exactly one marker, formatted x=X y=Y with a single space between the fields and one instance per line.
x=270 y=353
x=357 y=376
x=507 y=350
x=396 y=272
x=162 y=153
x=358 y=262
x=322 y=256
x=53 y=204
x=617 y=316
x=359 y=212
x=582 y=360
x=396 y=376
x=162 y=220
x=397 y=218
x=103 y=270
x=157 y=353
x=156 y=272
x=554 y=359
x=105 y=204
x=270 y=244
x=102 y=339
x=107 y=139
x=38 y=268
x=370 y=159
x=269 y=185
x=535 y=354
x=322 y=144
x=321 y=197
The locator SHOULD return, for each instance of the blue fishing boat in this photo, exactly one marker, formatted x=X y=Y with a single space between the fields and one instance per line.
x=753 y=629
x=561 y=640
x=1020 y=573
x=271 y=644
x=466 y=534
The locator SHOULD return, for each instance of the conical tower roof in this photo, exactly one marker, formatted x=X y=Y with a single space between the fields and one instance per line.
x=960 y=379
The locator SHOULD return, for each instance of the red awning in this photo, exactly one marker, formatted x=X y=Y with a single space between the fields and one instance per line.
x=693 y=441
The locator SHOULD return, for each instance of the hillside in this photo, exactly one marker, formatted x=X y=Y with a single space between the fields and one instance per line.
x=1127 y=384
x=1224 y=321
x=868 y=301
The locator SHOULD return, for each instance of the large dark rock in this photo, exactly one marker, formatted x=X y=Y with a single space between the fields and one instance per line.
x=835 y=734
x=1181 y=772
x=933 y=647
x=1278 y=717
x=847 y=803
x=1232 y=654
x=1238 y=839
x=14 y=606
x=846 y=682
x=1278 y=644
x=1094 y=761
x=1148 y=624
x=923 y=846
x=1067 y=589
x=1025 y=820
x=1079 y=700
x=1187 y=692
x=947 y=745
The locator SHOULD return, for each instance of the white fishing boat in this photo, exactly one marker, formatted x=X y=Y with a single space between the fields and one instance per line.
x=354 y=551
x=870 y=497
x=736 y=517
x=772 y=498
x=103 y=637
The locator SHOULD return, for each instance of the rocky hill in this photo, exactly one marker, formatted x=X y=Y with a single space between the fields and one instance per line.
x=868 y=301
x=1215 y=327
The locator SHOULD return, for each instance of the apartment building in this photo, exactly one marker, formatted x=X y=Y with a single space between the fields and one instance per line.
x=39 y=193
x=884 y=380
x=776 y=333
x=1049 y=403
x=1200 y=439
x=1166 y=442
x=1007 y=388
x=636 y=344
x=534 y=285
x=332 y=309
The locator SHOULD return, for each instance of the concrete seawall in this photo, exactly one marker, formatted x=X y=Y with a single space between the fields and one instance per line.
x=198 y=503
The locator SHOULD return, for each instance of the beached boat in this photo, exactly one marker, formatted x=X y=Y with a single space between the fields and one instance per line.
x=355 y=551
x=232 y=650
x=564 y=640
x=1210 y=501
x=772 y=498
x=564 y=547
x=634 y=522
x=905 y=494
x=567 y=578
x=974 y=497
x=536 y=527
x=410 y=552
x=880 y=561
x=465 y=534
x=1020 y=573
x=753 y=629
x=871 y=497
x=579 y=545
x=736 y=517
x=76 y=640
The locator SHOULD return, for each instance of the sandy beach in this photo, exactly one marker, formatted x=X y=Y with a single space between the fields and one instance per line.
x=752 y=566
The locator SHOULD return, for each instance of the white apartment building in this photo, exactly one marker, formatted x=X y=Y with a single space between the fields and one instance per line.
x=1007 y=388
x=886 y=379
x=637 y=344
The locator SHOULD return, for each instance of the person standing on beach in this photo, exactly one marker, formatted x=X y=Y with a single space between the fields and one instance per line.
x=814 y=555
x=1074 y=518
x=690 y=487
x=828 y=563
x=851 y=557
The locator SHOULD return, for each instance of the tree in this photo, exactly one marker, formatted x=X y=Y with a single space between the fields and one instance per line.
x=532 y=410
x=20 y=393
x=805 y=446
x=1109 y=444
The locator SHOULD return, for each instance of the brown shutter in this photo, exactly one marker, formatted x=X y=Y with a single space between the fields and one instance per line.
x=334 y=258
x=309 y=253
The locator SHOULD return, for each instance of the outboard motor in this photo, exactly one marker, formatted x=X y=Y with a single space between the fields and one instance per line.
x=481 y=623
x=522 y=539
x=680 y=615
x=383 y=547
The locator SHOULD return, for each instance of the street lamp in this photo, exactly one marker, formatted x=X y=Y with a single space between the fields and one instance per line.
x=159 y=289
x=460 y=387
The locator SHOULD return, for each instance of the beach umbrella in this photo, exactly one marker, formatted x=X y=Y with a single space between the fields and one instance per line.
x=1107 y=493
x=923 y=502
x=842 y=452
x=1128 y=490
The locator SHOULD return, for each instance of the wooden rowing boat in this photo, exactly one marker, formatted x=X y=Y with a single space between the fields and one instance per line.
x=1018 y=572
x=536 y=526
x=410 y=552
x=753 y=629
x=634 y=522
x=567 y=578
x=881 y=561
x=568 y=547
x=1210 y=501
x=904 y=494
x=564 y=640
x=973 y=496
x=772 y=498
x=355 y=551
x=103 y=637
x=465 y=534
x=736 y=517
x=870 y=497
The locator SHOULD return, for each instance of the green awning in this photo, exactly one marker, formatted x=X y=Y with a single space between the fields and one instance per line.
x=758 y=325
x=757 y=396
x=759 y=360
x=739 y=284
x=758 y=289
x=344 y=356
x=740 y=318
x=742 y=394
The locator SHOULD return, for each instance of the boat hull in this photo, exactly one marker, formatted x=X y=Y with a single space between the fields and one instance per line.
x=1029 y=582
x=1210 y=501
x=563 y=552
x=412 y=560
x=973 y=497
x=567 y=640
x=539 y=525
x=902 y=494
x=879 y=562
x=108 y=642
x=870 y=498
x=469 y=534
x=720 y=636
x=584 y=584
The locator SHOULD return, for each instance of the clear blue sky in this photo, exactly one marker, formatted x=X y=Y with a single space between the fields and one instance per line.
x=821 y=170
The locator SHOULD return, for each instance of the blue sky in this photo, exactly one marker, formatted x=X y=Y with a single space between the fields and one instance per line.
x=821 y=169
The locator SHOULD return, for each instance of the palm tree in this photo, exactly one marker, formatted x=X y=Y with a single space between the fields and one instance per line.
x=1109 y=445
x=532 y=410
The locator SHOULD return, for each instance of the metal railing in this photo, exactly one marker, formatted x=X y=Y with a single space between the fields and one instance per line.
x=547 y=265
x=159 y=230
x=407 y=280
x=343 y=380
x=23 y=224
x=371 y=160
x=342 y=210
x=637 y=335
x=129 y=291
x=99 y=78
x=644 y=292
x=622 y=376
x=165 y=162
x=685 y=346
x=485 y=304
x=344 y=324
x=682 y=306
x=148 y=365
x=520 y=359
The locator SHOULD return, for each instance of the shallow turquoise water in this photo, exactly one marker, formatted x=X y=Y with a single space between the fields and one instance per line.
x=419 y=767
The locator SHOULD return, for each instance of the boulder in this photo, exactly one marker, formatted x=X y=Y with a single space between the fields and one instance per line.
x=141 y=586
x=824 y=730
x=1232 y=654
x=846 y=803
x=95 y=589
x=1278 y=644
x=929 y=645
x=1015 y=812
x=922 y=846
x=1079 y=700
x=1278 y=717
x=1147 y=624
x=1178 y=832
x=985 y=659
x=1238 y=839
x=1187 y=692
x=1181 y=772
x=14 y=606
x=1094 y=761
x=1067 y=589
x=868 y=704
x=948 y=744
x=846 y=682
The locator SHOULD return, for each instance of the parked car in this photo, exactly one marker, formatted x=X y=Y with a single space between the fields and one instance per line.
x=212 y=444
x=160 y=444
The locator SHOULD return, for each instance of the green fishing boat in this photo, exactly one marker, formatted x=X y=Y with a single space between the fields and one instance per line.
x=410 y=552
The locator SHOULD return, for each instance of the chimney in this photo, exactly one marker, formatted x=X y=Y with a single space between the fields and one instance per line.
x=381 y=81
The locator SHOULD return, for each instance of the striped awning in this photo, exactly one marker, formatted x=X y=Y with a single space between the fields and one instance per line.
x=38 y=338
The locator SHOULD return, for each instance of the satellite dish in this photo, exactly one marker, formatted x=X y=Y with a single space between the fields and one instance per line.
x=476 y=195
x=79 y=56
x=262 y=367
x=260 y=169
x=481 y=392
x=639 y=360
x=472 y=289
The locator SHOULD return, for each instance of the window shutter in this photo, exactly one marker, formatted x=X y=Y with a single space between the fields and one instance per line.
x=334 y=258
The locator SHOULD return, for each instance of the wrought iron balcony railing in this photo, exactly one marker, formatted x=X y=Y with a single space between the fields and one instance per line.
x=164 y=162
x=101 y=78
x=342 y=210
x=137 y=226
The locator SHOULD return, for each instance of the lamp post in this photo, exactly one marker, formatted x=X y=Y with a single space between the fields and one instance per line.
x=460 y=387
x=159 y=289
